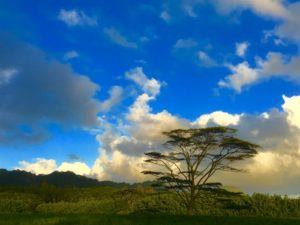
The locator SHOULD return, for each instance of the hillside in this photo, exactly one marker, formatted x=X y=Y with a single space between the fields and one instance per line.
x=19 y=178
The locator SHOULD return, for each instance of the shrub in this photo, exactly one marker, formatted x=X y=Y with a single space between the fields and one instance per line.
x=14 y=206
x=91 y=206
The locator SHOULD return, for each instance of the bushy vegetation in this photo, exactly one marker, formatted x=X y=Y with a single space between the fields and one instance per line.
x=141 y=200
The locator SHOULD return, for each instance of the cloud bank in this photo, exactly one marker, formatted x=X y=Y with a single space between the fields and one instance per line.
x=122 y=144
x=36 y=91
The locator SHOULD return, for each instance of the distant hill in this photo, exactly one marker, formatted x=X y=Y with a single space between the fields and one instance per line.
x=19 y=178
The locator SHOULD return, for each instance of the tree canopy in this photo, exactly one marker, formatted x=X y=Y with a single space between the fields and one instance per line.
x=193 y=156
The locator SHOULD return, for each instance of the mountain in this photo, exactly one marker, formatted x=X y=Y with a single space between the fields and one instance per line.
x=19 y=178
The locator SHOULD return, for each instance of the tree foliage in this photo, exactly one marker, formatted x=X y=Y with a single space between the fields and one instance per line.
x=194 y=156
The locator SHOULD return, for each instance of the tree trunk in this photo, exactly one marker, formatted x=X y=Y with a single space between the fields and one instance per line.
x=190 y=211
x=191 y=208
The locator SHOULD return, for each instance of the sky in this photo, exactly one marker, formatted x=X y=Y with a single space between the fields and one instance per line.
x=89 y=86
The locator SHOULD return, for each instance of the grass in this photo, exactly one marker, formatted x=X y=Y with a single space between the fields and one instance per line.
x=48 y=219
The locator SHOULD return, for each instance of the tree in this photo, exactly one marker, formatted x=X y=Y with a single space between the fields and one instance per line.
x=194 y=156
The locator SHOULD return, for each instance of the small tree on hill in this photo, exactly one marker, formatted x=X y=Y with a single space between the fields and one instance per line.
x=194 y=156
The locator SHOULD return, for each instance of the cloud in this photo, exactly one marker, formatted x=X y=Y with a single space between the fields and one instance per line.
x=241 y=48
x=187 y=7
x=148 y=126
x=275 y=65
x=76 y=18
x=74 y=157
x=289 y=28
x=115 y=97
x=79 y=168
x=268 y=172
x=150 y=86
x=36 y=90
x=71 y=55
x=121 y=146
x=275 y=9
x=218 y=117
x=189 y=10
x=241 y=76
x=278 y=131
x=47 y=166
x=6 y=75
x=271 y=8
x=279 y=65
x=116 y=37
x=283 y=12
x=292 y=107
x=185 y=44
x=118 y=167
x=165 y=15
x=276 y=168
x=40 y=166
x=286 y=14
x=271 y=35
x=273 y=130
x=206 y=60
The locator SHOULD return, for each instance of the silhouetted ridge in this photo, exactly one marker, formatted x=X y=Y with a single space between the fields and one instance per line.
x=19 y=178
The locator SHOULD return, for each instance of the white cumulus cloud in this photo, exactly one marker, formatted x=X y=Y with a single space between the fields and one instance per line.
x=148 y=85
x=275 y=65
x=118 y=167
x=79 y=168
x=242 y=75
x=292 y=107
x=47 y=166
x=218 y=117
x=40 y=166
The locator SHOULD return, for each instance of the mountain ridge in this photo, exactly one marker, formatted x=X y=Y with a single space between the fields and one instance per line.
x=21 y=178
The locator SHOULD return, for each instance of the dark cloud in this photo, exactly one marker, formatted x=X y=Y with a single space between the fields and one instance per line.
x=75 y=157
x=272 y=131
x=39 y=91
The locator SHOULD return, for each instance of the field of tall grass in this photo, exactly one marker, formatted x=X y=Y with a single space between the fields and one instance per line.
x=49 y=205
x=95 y=219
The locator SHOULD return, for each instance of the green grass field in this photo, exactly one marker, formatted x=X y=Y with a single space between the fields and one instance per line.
x=47 y=219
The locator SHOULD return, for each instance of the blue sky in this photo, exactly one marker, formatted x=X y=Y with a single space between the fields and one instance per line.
x=75 y=74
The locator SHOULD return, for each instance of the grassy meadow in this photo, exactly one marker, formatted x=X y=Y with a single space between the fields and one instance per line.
x=55 y=219
x=138 y=206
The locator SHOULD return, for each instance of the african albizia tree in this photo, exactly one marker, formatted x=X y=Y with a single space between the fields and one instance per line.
x=193 y=156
